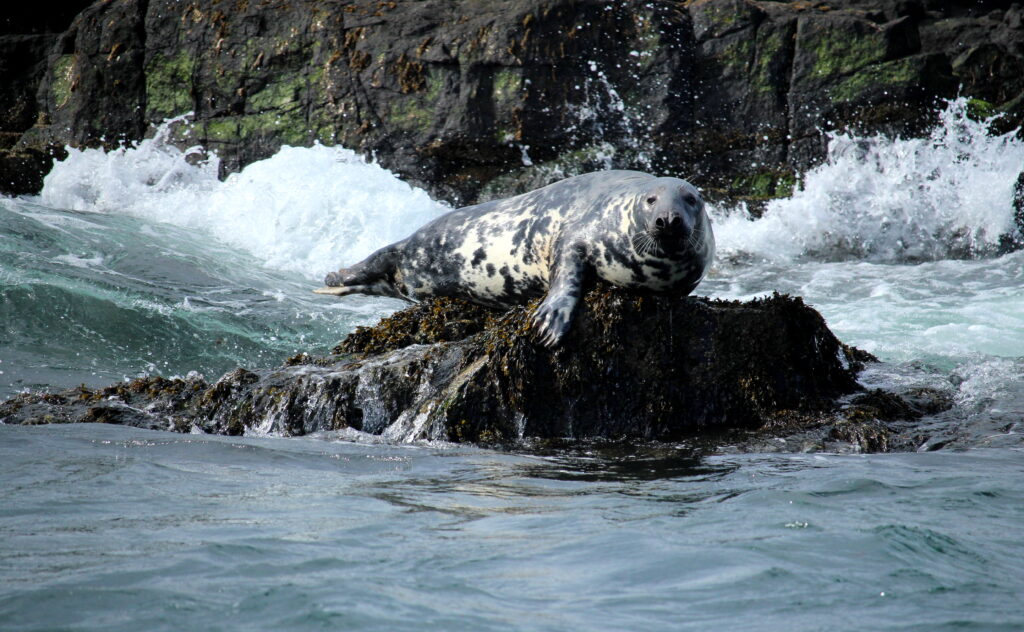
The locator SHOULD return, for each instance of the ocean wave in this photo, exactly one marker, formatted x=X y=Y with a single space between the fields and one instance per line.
x=881 y=199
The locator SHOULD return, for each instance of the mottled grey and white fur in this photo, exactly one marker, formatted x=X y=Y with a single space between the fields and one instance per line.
x=628 y=228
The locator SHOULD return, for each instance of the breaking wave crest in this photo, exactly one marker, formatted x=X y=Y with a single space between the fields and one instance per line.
x=947 y=196
x=307 y=209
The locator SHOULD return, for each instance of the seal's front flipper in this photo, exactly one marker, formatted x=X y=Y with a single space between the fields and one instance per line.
x=553 y=317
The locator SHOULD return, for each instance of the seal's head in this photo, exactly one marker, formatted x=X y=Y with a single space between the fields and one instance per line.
x=669 y=217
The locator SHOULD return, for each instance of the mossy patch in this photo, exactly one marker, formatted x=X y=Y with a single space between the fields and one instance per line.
x=278 y=94
x=980 y=110
x=845 y=55
x=169 y=85
x=507 y=85
x=222 y=130
x=63 y=80
x=894 y=73
x=724 y=16
x=771 y=50
x=410 y=114
x=763 y=185
x=416 y=111
x=736 y=55
x=290 y=126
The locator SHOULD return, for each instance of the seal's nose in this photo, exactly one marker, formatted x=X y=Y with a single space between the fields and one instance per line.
x=672 y=222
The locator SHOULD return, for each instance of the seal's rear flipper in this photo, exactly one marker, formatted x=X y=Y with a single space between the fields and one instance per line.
x=341 y=290
x=374 y=276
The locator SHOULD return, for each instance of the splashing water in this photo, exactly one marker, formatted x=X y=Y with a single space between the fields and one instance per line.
x=948 y=196
x=851 y=242
x=899 y=244
x=305 y=210
x=609 y=130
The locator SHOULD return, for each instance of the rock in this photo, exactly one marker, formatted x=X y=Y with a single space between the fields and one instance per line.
x=22 y=170
x=633 y=367
x=27 y=33
x=474 y=101
x=1018 y=206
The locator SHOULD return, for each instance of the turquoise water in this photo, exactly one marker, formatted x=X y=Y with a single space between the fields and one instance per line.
x=140 y=262
x=110 y=528
x=95 y=298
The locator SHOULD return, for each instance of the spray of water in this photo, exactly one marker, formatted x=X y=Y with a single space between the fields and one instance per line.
x=304 y=209
x=948 y=196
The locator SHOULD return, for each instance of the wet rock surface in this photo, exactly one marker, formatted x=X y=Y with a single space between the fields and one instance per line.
x=476 y=100
x=756 y=375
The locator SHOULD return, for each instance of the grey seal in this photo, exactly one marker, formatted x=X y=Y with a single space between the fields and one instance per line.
x=631 y=229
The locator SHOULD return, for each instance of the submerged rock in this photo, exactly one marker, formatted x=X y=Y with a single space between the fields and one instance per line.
x=634 y=366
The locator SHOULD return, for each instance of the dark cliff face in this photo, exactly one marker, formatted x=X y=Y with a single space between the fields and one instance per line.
x=27 y=33
x=475 y=100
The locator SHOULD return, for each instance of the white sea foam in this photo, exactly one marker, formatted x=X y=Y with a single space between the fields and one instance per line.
x=939 y=310
x=304 y=209
x=80 y=262
x=890 y=200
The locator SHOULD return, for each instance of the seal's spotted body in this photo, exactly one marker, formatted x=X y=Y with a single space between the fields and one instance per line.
x=628 y=228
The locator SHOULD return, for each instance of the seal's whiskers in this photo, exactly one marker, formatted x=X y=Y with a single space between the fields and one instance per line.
x=645 y=244
x=695 y=238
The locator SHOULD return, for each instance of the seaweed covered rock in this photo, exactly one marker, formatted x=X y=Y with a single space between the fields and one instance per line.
x=650 y=367
x=633 y=366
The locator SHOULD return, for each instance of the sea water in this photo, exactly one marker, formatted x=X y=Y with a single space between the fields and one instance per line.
x=140 y=261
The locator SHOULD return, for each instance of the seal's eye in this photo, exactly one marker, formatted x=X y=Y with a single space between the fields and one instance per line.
x=652 y=199
x=690 y=199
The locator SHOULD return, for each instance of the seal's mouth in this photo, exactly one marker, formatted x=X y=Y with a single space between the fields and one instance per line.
x=660 y=240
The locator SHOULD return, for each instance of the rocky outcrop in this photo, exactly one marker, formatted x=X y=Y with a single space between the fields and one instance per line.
x=474 y=100
x=633 y=367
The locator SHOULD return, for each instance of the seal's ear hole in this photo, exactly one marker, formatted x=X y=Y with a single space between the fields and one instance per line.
x=652 y=199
